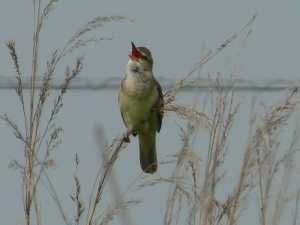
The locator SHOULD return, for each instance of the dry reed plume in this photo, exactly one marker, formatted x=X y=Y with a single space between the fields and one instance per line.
x=39 y=141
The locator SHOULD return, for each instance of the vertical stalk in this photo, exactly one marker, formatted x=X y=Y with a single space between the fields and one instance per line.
x=29 y=182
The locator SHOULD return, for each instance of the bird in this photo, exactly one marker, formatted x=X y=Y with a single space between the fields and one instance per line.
x=141 y=101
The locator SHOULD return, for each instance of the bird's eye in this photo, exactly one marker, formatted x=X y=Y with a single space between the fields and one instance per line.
x=144 y=57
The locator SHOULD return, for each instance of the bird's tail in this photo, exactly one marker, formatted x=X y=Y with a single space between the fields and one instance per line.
x=148 y=158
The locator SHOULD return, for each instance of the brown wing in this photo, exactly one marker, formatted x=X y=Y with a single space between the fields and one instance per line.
x=159 y=105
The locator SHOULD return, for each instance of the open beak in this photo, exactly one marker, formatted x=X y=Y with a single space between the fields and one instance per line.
x=135 y=55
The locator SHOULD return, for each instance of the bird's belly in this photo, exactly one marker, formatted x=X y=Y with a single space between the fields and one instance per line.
x=137 y=112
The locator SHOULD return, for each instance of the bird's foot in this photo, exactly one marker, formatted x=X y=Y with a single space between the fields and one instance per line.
x=126 y=136
x=127 y=139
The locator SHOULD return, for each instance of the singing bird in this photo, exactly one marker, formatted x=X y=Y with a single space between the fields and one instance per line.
x=140 y=99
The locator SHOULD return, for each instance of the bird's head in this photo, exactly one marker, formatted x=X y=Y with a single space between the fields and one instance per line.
x=140 y=59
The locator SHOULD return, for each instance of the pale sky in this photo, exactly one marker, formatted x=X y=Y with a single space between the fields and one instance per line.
x=176 y=32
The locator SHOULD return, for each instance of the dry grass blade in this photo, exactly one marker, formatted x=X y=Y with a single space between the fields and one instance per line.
x=34 y=137
x=260 y=158
x=69 y=75
x=113 y=184
x=202 y=204
x=109 y=160
x=297 y=211
x=19 y=87
x=94 y=24
x=16 y=130
x=186 y=112
x=265 y=143
x=77 y=198
x=113 y=209
x=12 y=48
x=170 y=95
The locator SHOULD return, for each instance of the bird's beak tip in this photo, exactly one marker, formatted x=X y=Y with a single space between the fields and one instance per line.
x=135 y=53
